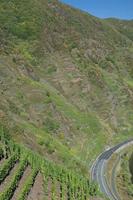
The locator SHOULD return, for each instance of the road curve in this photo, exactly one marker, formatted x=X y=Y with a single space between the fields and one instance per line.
x=98 y=170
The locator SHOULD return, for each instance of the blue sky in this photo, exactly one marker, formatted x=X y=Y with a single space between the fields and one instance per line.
x=105 y=8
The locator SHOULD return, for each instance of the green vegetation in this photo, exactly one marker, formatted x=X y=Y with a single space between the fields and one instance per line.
x=7 y=167
x=28 y=185
x=66 y=82
x=125 y=176
x=73 y=185
x=9 y=191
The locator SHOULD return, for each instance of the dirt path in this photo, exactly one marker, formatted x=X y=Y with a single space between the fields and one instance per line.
x=21 y=183
x=37 y=191
x=8 y=178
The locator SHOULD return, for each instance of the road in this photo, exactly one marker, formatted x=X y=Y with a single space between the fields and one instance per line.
x=99 y=168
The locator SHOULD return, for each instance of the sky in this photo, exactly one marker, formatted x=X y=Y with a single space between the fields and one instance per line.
x=122 y=9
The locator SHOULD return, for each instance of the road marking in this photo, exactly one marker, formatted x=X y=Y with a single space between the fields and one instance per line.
x=98 y=169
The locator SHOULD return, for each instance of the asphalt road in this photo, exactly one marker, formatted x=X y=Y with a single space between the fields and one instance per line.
x=99 y=169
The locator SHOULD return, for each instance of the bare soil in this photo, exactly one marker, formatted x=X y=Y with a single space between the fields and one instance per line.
x=49 y=189
x=37 y=191
x=8 y=178
x=21 y=183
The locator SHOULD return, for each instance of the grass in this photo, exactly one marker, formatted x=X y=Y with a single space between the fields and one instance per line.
x=88 y=124
x=124 y=179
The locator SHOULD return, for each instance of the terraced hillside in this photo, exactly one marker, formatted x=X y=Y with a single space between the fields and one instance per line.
x=25 y=175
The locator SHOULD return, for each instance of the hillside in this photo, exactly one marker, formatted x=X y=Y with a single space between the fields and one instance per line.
x=25 y=175
x=66 y=80
x=124 y=176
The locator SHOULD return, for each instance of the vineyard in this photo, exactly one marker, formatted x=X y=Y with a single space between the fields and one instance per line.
x=25 y=175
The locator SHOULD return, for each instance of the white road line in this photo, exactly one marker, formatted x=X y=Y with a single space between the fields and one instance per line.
x=98 y=169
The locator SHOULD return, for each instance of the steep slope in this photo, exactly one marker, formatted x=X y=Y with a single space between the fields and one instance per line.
x=26 y=175
x=125 y=27
x=66 y=80
x=124 y=175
